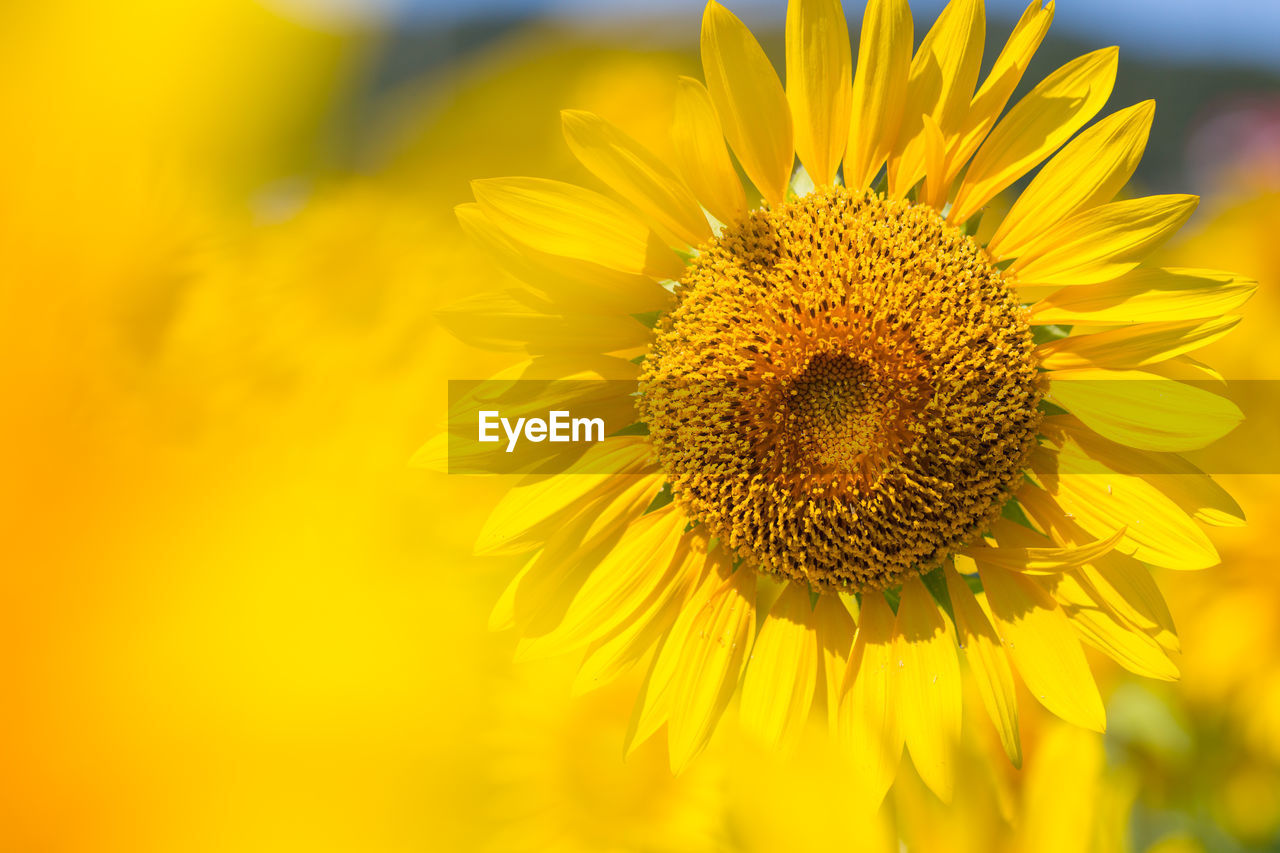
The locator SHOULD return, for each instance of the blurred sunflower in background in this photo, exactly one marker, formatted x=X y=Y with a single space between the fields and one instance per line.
x=236 y=621
x=902 y=431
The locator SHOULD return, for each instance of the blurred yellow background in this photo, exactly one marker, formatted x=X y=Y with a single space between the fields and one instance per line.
x=234 y=619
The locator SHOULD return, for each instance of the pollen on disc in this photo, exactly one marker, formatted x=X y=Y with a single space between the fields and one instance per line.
x=846 y=392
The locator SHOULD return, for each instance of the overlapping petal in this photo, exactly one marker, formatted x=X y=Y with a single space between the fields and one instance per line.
x=587 y=287
x=836 y=629
x=701 y=154
x=929 y=702
x=1126 y=587
x=1134 y=650
x=749 y=100
x=869 y=722
x=819 y=84
x=778 y=689
x=544 y=501
x=714 y=654
x=699 y=664
x=991 y=98
x=1199 y=495
x=1039 y=639
x=1140 y=410
x=1102 y=243
x=988 y=662
x=1045 y=561
x=572 y=553
x=1035 y=127
x=1133 y=346
x=637 y=175
x=940 y=87
x=638 y=574
x=518 y=320
x=1147 y=295
x=563 y=219
x=1088 y=171
x=879 y=89
x=1157 y=530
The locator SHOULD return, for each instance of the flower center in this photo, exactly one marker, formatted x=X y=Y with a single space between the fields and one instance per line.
x=842 y=413
x=846 y=392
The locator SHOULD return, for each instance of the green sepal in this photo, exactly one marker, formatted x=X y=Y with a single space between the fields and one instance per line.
x=637 y=428
x=1044 y=334
x=894 y=597
x=661 y=499
x=648 y=319
x=936 y=583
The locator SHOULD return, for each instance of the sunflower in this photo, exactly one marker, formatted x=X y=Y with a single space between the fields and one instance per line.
x=867 y=443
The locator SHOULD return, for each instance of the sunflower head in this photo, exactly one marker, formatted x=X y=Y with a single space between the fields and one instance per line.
x=846 y=392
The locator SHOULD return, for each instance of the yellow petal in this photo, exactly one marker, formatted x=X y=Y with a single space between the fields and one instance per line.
x=711 y=662
x=579 y=382
x=1157 y=531
x=515 y=320
x=1146 y=296
x=1006 y=72
x=835 y=642
x=653 y=707
x=1144 y=411
x=940 y=86
x=1035 y=127
x=750 y=101
x=657 y=694
x=1088 y=171
x=1102 y=243
x=636 y=175
x=590 y=288
x=506 y=386
x=1182 y=482
x=571 y=553
x=1133 y=346
x=701 y=153
x=1126 y=586
x=632 y=581
x=1120 y=583
x=988 y=663
x=503 y=615
x=1130 y=648
x=782 y=673
x=930 y=681
x=1045 y=561
x=562 y=219
x=1004 y=534
x=870 y=719
x=1184 y=368
x=542 y=501
x=1200 y=496
x=1039 y=639
x=612 y=654
x=879 y=89
x=935 y=183
x=819 y=87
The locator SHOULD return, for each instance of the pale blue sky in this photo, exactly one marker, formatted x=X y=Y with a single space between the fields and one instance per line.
x=1240 y=31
